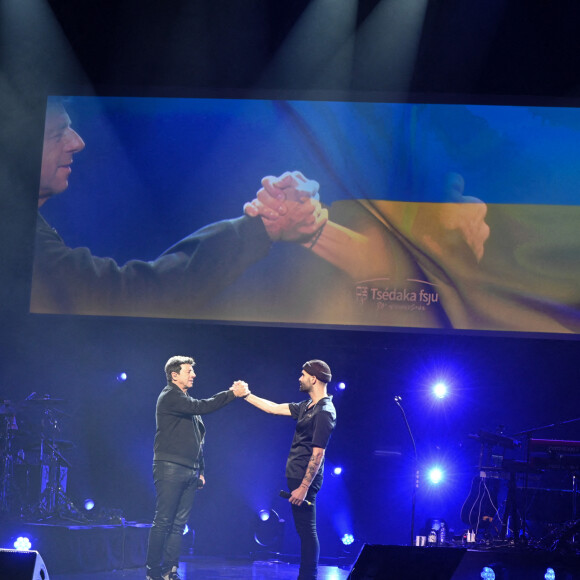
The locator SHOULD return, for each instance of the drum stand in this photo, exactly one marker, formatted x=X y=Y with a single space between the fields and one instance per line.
x=53 y=502
x=8 y=490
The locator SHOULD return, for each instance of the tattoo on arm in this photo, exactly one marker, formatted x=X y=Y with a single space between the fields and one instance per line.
x=313 y=467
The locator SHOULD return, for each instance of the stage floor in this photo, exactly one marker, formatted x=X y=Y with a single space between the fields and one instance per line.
x=209 y=568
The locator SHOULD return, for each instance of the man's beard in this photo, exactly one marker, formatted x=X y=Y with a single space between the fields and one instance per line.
x=304 y=388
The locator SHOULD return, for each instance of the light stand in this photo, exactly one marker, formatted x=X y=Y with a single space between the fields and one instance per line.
x=416 y=482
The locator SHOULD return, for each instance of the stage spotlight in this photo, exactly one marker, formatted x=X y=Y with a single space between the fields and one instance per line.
x=22 y=543
x=440 y=390
x=122 y=377
x=337 y=470
x=550 y=574
x=89 y=504
x=269 y=530
x=340 y=387
x=435 y=475
x=347 y=539
x=494 y=571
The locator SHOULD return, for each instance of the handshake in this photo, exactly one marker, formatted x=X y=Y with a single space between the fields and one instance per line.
x=289 y=206
x=240 y=389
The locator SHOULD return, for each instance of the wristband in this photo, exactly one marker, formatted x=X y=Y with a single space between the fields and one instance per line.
x=315 y=238
x=246 y=396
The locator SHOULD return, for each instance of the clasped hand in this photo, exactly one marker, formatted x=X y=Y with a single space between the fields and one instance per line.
x=240 y=388
x=289 y=206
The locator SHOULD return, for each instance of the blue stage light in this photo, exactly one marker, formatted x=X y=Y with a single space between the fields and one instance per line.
x=487 y=573
x=22 y=543
x=89 y=504
x=269 y=530
x=122 y=377
x=435 y=475
x=341 y=386
x=550 y=574
x=337 y=470
x=347 y=539
x=440 y=390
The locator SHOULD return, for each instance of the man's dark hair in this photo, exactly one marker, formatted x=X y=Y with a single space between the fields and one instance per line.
x=319 y=369
x=173 y=365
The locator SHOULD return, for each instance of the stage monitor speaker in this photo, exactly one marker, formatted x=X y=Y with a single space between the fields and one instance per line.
x=22 y=565
x=378 y=562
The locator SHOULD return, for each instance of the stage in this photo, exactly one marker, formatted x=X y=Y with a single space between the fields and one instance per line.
x=109 y=552
x=210 y=568
x=71 y=548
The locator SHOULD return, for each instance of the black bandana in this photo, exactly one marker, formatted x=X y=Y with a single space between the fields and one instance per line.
x=318 y=369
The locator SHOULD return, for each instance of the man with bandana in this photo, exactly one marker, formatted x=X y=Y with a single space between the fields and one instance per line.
x=315 y=419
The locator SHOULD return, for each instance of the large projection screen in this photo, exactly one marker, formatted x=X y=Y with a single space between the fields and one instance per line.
x=440 y=216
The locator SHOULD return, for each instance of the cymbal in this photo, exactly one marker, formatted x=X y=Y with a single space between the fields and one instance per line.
x=495 y=439
x=60 y=443
x=42 y=400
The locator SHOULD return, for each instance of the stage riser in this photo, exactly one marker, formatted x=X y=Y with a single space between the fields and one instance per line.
x=377 y=562
x=82 y=548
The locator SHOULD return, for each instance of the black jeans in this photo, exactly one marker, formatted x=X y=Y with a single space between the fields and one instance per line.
x=175 y=486
x=305 y=523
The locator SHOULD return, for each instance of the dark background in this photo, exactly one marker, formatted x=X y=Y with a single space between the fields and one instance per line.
x=496 y=52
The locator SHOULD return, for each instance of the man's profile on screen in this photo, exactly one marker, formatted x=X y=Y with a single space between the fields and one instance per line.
x=178 y=283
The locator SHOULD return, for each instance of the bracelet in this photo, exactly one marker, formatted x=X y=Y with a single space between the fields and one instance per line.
x=246 y=396
x=316 y=237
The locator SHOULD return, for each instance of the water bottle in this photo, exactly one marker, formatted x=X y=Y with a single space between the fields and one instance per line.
x=432 y=538
x=443 y=533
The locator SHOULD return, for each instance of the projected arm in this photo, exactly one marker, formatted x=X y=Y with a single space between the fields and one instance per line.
x=178 y=283
x=461 y=219
x=290 y=209
x=452 y=230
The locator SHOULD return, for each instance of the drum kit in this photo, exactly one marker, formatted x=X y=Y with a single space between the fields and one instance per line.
x=33 y=469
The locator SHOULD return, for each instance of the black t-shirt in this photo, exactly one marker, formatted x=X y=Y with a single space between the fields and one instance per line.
x=313 y=429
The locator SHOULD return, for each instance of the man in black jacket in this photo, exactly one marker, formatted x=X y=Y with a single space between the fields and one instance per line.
x=178 y=463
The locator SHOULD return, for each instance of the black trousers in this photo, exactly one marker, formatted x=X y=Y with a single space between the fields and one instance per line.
x=305 y=523
x=175 y=486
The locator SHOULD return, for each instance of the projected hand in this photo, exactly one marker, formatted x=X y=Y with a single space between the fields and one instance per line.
x=460 y=218
x=289 y=207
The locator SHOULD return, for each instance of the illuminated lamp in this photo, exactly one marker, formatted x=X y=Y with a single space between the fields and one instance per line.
x=495 y=571
x=347 y=539
x=269 y=530
x=22 y=543
x=435 y=475
x=440 y=390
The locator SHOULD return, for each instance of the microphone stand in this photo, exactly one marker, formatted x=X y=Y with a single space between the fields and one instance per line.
x=416 y=482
